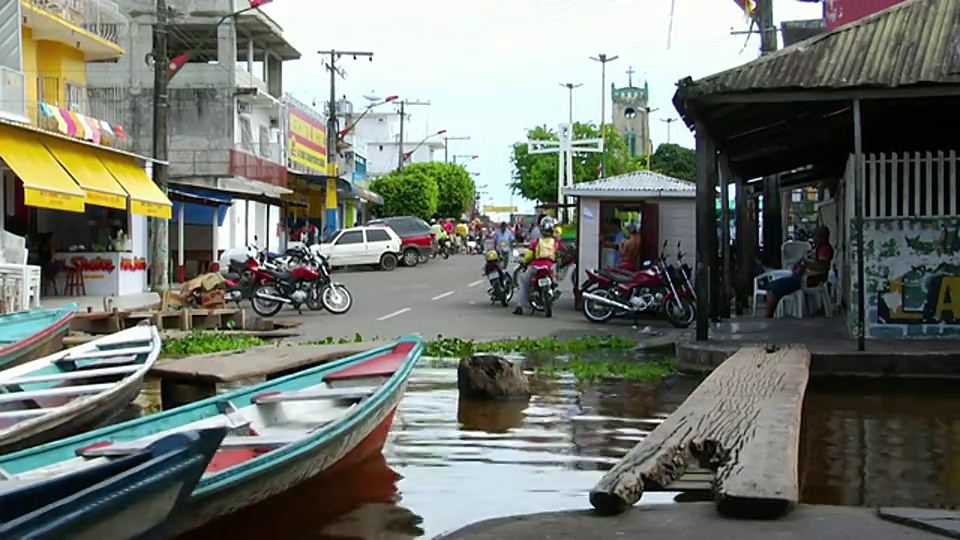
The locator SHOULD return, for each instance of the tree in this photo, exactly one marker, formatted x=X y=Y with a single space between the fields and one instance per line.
x=535 y=175
x=410 y=193
x=455 y=187
x=675 y=161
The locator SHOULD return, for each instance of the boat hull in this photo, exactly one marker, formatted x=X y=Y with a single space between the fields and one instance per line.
x=44 y=343
x=365 y=439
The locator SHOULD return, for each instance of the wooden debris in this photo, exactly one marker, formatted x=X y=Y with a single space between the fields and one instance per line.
x=742 y=422
x=108 y=322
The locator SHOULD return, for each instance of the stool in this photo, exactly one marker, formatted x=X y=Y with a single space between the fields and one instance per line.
x=74 y=282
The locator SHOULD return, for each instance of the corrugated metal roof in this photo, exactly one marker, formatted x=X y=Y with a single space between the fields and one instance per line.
x=907 y=44
x=637 y=184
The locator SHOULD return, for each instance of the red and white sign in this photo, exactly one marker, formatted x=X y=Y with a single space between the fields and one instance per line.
x=841 y=12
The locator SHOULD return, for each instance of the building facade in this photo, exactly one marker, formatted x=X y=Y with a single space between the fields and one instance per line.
x=631 y=116
x=378 y=135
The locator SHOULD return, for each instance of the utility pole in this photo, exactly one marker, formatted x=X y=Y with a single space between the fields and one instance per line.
x=403 y=114
x=570 y=87
x=446 y=146
x=159 y=228
x=330 y=219
x=603 y=59
x=669 y=122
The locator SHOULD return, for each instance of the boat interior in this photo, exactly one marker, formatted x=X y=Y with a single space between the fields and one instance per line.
x=18 y=327
x=259 y=419
x=47 y=385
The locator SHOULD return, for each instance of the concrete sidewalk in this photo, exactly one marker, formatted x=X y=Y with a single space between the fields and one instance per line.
x=693 y=521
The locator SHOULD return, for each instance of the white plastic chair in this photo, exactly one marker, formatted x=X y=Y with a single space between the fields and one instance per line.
x=796 y=305
x=793 y=252
x=761 y=281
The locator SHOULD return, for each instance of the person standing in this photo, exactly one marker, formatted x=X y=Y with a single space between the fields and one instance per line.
x=630 y=249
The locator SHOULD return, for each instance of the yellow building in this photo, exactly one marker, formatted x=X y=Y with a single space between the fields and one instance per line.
x=61 y=164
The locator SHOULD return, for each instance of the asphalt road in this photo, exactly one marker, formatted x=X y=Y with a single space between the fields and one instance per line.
x=442 y=297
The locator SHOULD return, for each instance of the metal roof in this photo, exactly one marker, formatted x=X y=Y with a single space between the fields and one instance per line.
x=909 y=43
x=639 y=184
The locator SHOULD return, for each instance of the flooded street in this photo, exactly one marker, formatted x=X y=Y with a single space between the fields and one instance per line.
x=448 y=464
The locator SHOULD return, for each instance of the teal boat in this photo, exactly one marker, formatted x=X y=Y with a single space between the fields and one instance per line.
x=28 y=335
x=308 y=425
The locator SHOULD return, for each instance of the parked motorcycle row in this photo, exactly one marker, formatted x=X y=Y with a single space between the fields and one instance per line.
x=658 y=288
x=298 y=277
x=544 y=284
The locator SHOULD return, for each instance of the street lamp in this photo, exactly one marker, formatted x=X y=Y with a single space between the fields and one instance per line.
x=406 y=155
x=603 y=59
x=446 y=146
x=345 y=131
x=468 y=157
x=177 y=63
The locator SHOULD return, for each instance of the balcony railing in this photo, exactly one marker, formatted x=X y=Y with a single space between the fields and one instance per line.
x=99 y=17
x=13 y=97
x=248 y=161
x=101 y=104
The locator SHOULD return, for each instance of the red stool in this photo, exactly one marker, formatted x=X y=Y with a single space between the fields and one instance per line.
x=74 y=285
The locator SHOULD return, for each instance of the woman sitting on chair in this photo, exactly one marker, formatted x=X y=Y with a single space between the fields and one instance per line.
x=815 y=269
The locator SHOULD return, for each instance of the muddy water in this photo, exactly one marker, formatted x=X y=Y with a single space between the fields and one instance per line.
x=449 y=463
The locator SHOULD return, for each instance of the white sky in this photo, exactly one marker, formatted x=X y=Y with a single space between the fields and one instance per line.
x=492 y=68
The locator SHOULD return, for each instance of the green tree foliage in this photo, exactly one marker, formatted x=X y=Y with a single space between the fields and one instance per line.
x=675 y=161
x=535 y=175
x=455 y=186
x=411 y=193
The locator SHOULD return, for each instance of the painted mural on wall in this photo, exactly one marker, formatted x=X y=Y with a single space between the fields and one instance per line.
x=912 y=270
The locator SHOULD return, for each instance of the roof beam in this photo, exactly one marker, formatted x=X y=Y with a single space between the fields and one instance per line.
x=808 y=95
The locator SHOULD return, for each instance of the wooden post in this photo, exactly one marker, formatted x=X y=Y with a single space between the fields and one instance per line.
x=713 y=173
x=706 y=227
x=744 y=249
x=724 y=296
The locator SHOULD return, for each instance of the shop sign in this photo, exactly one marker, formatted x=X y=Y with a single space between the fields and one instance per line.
x=95 y=268
x=134 y=264
x=306 y=142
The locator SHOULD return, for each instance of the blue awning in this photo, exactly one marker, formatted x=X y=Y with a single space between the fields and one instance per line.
x=360 y=192
x=197 y=214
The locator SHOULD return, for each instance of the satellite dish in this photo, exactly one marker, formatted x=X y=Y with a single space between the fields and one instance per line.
x=371 y=97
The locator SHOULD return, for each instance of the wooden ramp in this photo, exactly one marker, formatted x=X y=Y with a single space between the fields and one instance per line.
x=742 y=423
x=108 y=322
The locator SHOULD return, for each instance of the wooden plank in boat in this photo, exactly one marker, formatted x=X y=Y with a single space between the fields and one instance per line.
x=71 y=375
x=248 y=442
x=316 y=394
x=23 y=414
x=86 y=389
x=106 y=353
x=256 y=362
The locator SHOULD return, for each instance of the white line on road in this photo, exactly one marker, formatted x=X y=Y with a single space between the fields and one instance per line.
x=394 y=314
x=444 y=295
x=477 y=282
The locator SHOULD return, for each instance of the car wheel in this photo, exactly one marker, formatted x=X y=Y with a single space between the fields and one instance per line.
x=388 y=261
x=411 y=257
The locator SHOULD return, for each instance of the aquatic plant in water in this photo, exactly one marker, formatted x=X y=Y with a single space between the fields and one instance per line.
x=653 y=371
x=458 y=348
x=199 y=342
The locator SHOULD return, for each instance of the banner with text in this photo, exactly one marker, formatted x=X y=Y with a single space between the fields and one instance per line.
x=306 y=142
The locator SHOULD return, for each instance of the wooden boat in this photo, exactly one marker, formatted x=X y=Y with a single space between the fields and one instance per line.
x=74 y=390
x=28 y=335
x=152 y=485
x=282 y=432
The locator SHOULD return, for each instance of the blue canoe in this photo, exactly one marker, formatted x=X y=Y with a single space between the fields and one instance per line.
x=307 y=425
x=129 y=497
x=28 y=335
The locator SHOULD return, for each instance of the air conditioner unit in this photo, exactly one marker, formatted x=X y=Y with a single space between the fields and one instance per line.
x=244 y=107
x=274 y=122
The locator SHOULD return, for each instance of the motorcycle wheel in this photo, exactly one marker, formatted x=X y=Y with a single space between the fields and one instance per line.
x=444 y=253
x=508 y=290
x=423 y=259
x=547 y=298
x=337 y=299
x=262 y=306
x=313 y=299
x=681 y=317
x=596 y=312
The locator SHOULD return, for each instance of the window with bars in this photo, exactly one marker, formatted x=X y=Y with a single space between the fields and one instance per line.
x=246 y=135
x=264 y=141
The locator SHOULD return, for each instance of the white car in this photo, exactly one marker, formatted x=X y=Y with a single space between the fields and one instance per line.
x=374 y=246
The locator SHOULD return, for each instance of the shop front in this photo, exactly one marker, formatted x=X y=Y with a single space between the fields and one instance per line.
x=83 y=210
x=353 y=199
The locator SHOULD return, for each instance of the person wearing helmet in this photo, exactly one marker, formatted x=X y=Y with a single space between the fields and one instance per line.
x=541 y=254
x=503 y=242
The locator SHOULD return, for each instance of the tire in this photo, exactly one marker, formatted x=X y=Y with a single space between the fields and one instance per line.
x=681 y=317
x=336 y=299
x=547 y=299
x=411 y=257
x=388 y=262
x=263 y=307
x=597 y=313
x=509 y=289
x=313 y=299
x=423 y=259
x=444 y=253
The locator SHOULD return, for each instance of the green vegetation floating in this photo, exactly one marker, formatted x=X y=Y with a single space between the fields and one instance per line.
x=598 y=370
x=458 y=348
x=207 y=343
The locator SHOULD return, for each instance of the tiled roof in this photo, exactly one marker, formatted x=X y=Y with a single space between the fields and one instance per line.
x=635 y=184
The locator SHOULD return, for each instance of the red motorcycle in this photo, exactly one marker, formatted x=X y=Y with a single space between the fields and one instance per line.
x=544 y=290
x=308 y=284
x=654 y=289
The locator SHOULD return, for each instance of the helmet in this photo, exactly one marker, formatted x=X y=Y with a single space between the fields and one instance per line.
x=547 y=225
x=493 y=256
x=433 y=221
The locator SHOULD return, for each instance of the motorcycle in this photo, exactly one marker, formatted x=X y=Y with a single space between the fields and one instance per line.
x=443 y=248
x=685 y=273
x=544 y=291
x=308 y=284
x=501 y=284
x=654 y=289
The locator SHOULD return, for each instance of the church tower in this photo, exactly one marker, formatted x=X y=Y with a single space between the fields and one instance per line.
x=631 y=115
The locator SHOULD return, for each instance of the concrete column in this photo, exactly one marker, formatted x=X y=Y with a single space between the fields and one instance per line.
x=274 y=77
x=227 y=49
x=265 y=71
x=250 y=52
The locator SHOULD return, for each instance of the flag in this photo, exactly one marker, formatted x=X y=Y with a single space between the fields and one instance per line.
x=176 y=64
x=255 y=4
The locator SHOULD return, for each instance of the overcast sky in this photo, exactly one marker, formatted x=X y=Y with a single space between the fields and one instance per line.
x=492 y=68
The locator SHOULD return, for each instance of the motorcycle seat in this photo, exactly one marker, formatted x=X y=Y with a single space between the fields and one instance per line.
x=232 y=275
x=615 y=276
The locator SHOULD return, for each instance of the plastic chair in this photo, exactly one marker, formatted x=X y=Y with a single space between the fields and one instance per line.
x=761 y=281
x=793 y=252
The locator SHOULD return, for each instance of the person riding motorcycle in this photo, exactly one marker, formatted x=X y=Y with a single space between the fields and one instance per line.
x=461 y=231
x=541 y=254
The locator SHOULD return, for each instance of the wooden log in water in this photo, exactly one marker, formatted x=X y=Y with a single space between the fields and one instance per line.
x=743 y=422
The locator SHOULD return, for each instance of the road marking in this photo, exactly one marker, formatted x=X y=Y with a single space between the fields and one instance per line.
x=394 y=314
x=477 y=282
x=444 y=295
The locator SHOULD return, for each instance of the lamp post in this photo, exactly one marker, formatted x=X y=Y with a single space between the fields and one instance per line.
x=603 y=59
x=571 y=87
x=468 y=157
x=346 y=131
x=446 y=146
x=406 y=155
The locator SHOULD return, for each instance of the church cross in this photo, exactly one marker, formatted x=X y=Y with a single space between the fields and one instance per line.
x=630 y=73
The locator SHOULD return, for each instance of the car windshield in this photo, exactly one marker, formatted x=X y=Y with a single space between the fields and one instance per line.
x=328 y=237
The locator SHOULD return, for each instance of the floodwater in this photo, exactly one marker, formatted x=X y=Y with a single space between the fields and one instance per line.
x=450 y=463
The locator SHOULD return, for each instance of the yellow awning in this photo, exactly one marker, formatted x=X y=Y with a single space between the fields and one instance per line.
x=146 y=198
x=45 y=183
x=82 y=164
